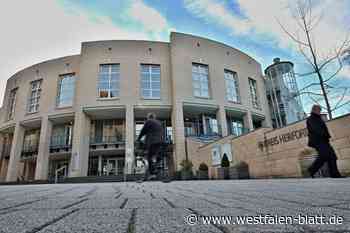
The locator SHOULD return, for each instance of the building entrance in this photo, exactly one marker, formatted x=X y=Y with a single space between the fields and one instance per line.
x=113 y=166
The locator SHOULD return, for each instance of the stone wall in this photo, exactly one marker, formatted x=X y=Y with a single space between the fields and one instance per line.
x=279 y=152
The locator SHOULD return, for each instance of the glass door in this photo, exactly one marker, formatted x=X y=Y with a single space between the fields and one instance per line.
x=120 y=166
x=111 y=167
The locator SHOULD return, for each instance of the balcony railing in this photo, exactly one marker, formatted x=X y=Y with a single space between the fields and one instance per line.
x=239 y=131
x=197 y=130
x=60 y=142
x=29 y=148
x=107 y=140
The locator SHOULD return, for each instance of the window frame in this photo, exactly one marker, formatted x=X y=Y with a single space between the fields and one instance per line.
x=109 y=97
x=38 y=96
x=150 y=81
x=59 y=85
x=254 y=101
x=236 y=81
x=11 y=107
x=200 y=81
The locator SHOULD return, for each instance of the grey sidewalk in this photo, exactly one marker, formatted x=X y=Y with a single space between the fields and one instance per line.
x=162 y=207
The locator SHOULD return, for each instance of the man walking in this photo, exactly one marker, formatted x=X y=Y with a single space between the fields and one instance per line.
x=319 y=139
x=153 y=131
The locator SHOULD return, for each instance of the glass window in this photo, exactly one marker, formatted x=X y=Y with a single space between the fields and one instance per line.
x=150 y=81
x=200 y=81
x=107 y=131
x=66 y=90
x=236 y=127
x=254 y=93
x=108 y=82
x=31 y=139
x=34 y=98
x=62 y=135
x=231 y=81
x=12 y=103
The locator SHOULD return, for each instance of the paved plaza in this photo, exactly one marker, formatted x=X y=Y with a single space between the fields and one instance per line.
x=174 y=207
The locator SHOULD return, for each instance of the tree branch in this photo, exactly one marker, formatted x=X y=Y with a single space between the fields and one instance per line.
x=340 y=100
x=291 y=35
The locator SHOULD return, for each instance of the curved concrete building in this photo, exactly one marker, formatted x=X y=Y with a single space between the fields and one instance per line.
x=80 y=114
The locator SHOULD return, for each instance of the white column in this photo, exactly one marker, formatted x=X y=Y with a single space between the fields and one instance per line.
x=221 y=118
x=42 y=161
x=81 y=145
x=99 y=165
x=1 y=145
x=204 y=123
x=130 y=140
x=1 y=155
x=248 y=121
x=15 y=154
x=179 y=134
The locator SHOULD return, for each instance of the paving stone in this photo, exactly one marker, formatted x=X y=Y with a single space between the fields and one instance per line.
x=27 y=220
x=162 y=207
x=86 y=221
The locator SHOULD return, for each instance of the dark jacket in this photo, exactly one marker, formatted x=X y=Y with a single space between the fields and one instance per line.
x=317 y=130
x=153 y=131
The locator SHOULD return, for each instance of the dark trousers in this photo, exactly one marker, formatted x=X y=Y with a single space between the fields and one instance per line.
x=153 y=151
x=327 y=154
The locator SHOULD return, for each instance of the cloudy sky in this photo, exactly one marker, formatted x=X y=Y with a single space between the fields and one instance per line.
x=37 y=30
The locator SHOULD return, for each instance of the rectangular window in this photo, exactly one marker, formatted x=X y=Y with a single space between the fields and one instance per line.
x=200 y=80
x=108 y=83
x=254 y=93
x=232 y=91
x=150 y=81
x=66 y=90
x=31 y=140
x=34 y=98
x=107 y=131
x=237 y=127
x=62 y=135
x=12 y=103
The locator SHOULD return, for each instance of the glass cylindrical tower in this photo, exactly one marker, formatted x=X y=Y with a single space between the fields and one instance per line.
x=282 y=93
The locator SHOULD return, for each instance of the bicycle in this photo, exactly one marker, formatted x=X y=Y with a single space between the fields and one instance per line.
x=161 y=161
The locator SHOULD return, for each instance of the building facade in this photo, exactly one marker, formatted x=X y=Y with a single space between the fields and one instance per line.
x=81 y=114
x=275 y=153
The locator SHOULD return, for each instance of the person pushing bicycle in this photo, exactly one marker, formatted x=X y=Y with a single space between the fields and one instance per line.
x=153 y=131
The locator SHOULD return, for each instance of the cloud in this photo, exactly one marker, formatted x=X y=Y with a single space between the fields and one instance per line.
x=150 y=18
x=260 y=20
x=213 y=11
x=41 y=30
x=345 y=72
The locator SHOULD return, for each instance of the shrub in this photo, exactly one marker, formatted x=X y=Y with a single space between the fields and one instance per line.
x=224 y=161
x=186 y=165
x=203 y=167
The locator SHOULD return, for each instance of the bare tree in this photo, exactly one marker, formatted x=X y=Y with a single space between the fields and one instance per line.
x=322 y=85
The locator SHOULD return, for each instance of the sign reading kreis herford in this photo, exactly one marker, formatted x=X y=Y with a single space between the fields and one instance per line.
x=283 y=138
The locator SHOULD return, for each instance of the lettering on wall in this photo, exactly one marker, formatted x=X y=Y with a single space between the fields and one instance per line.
x=283 y=138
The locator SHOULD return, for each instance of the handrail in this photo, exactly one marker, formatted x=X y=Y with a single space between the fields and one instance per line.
x=57 y=171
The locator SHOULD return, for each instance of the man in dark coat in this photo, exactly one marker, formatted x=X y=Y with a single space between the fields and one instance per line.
x=319 y=139
x=153 y=131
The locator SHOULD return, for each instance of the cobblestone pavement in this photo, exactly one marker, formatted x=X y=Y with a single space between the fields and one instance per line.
x=177 y=206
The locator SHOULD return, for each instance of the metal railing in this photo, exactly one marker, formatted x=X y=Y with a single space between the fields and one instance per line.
x=107 y=140
x=29 y=148
x=63 y=168
x=195 y=129
x=238 y=131
x=60 y=141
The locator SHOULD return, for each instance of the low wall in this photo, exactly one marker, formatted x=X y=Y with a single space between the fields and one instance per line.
x=280 y=152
